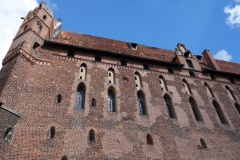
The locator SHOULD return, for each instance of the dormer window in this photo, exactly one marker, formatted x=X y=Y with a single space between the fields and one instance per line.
x=187 y=54
x=189 y=62
x=199 y=58
x=133 y=46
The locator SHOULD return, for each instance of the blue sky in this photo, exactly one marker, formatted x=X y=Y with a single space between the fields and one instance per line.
x=212 y=25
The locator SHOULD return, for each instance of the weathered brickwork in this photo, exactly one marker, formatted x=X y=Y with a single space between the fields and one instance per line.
x=29 y=91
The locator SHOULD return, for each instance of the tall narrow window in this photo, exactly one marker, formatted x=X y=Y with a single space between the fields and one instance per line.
x=230 y=93
x=59 y=98
x=52 y=132
x=195 y=109
x=219 y=112
x=237 y=107
x=142 y=103
x=91 y=135
x=39 y=28
x=186 y=86
x=209 y=91
x=25 y=28
x=137 y=79
x=7 y=133
x=149 y=139
x=111 y=100
x=93 y=102
x=111 y=76
x=162 y=83
x=169 y=106
x=203 y=144
x=44 y=18
x=189 y=62
x=83 y=71
x=80 y=96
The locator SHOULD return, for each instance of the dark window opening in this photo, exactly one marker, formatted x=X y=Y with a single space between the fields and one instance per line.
x=149 y=139
x=93 y=102
x=135 y=78
x=169 y=105
x=52 y=132
x=36 y=46
x=192 y=74
x=71 y=54
x=59 y=98
x=80 y=96
x=64 y=158
x=80 y=77
x=170 y=70
x=145 y=66
x=111 y=100
x=98 y=58
x=237 y=107
x=123 y=63
x=212 y=77
x=109 y=74
x=81 y=70
x=133 y=46
x=136 y=85
x=189 y=62
x=199 y=58
x=25 y=28
x=219 y=112
x=109 y=81
x=203 y=144
x=91 y=135
x=142 y=103
x=39 y=28
x=195 y=109
x=8 y=132
x=44 y=18
x=232 y=80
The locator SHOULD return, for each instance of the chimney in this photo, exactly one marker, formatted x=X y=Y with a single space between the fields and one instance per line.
x=210 y=60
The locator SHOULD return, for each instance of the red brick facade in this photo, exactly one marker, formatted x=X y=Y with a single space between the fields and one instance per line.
x=31 y=80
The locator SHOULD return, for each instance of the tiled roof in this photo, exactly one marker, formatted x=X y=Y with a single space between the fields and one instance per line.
x=228 y=66
x=122 y=48
x=118 y=47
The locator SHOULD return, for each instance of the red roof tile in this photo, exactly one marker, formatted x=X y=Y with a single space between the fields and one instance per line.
x=118 y=47
x=228 y=66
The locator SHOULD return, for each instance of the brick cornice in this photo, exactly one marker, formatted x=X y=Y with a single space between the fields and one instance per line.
x=143 y=70
x=23 y=53
x=30 y=29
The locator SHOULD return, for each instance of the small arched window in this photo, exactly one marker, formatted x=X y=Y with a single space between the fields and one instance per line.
x=169 y=105
x=195 y=109
x=7 y=133
x=237 y=107
x=80 y=96
x=44 y=18
x=52 y=132
x=203 y=144
x=149 y=139
x=83 y=71
x=93 y=102
x=219 y=112
x=162 y=83
x=111 y=76
x=91 y=135
x=142 y=103
x=138 y=79
x=186 y=86
x=111 y=100
x=209 y=91
x=59 y=98
x=230 y=93
x=64 y=158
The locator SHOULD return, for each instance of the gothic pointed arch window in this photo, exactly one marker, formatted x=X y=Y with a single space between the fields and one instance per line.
x=230 y=93
x=80 y=96
x=94 y=103
x=149 y=139
x=83 y=71
x=138 y=79
x=209 y=91
x=195 y=109
x=203 y=143
x=219 y=112
x=142 y=103
x=111 y=100
x=237 y=107
x=162 y=83
x=169 y=105
x=111 y=76
x=91 y=135
x=186 y=87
